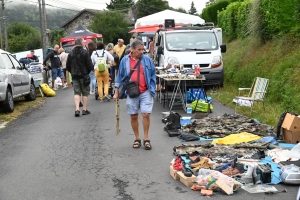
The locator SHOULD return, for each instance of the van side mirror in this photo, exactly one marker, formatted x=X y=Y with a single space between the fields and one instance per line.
x=160 y=50
x=223 y=48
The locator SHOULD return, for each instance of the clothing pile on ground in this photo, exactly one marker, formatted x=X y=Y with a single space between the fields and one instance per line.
x=242 y=153
x=221 y=126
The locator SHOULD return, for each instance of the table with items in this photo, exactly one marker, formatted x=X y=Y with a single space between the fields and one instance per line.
x=180 y=80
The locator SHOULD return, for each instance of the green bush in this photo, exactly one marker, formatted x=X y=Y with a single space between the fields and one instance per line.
x=278 y=17
x=210 y=14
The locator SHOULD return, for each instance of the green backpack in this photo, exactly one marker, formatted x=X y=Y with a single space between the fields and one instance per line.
x=101 y=62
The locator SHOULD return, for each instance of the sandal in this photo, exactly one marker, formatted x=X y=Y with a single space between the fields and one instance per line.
x=147 y=145
x=136 y=144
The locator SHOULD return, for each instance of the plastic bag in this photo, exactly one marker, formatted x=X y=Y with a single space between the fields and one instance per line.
x=201 y=106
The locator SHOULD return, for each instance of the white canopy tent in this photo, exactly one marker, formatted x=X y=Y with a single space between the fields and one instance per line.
x=159 y=19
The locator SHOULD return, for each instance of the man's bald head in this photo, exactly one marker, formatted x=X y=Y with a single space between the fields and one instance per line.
x=56 y=47
x=120 y=42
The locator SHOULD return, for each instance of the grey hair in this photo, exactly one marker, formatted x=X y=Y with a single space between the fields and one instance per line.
x=109 y=47
x=78 y=41
x=137 y=43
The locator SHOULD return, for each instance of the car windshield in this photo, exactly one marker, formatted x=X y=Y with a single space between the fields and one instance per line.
x=191 y=41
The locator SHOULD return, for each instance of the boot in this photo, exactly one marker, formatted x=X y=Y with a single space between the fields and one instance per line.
x=202 y=160
x=185 y=171
x=256 y=180
x=248 y=177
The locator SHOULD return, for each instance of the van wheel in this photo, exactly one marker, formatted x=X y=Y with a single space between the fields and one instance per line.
x=8 y=104
x=32 y=94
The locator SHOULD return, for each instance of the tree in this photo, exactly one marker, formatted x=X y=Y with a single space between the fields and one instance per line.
x=210 y=2
x=148 y=7
x=54 y=37
x=119 y=5
x=22 y=37
x=180 y=9
x=111 y=25
x=193 y=10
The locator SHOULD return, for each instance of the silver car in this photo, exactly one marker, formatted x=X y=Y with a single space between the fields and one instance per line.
x=15 y=81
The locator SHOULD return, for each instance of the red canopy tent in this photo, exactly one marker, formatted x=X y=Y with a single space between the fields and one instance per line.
x=80 y=32
x=147 y=29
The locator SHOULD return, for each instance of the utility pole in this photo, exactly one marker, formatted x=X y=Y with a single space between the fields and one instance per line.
x=41 y=25
x=45 y=35
x=4 y=24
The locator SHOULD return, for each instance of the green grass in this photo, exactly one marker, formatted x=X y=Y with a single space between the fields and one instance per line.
x=21 y=105
x=277 y=60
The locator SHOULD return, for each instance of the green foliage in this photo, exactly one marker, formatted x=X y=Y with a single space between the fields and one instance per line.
x=278 y=17
x=111 y=25
x=119 y=5
x=210 y=13
x=54 y=37
x=148 y=7
x=22 y=37
x=180 y=9
x=193 y=10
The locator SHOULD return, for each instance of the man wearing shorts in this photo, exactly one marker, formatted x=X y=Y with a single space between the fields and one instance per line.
x=79 y=64
x=56 y=66
x=147 y=81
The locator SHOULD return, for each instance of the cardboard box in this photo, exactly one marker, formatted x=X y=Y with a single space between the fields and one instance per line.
x=188 y=181
x=290 y=136
x=291 y=129
x=174 y=173
x=291 y=123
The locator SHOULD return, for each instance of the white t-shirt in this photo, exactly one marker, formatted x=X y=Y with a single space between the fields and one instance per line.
x=106 y=56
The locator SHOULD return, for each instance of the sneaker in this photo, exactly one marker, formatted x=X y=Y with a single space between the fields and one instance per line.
x=65 y=86
x=106 y=97
x=101 y=100
x=92 y=92
x=80 y=104
x=85 y=112
x=55 y=88
x=77 y=113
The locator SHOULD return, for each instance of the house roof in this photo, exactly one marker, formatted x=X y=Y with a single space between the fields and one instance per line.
x=128 y=18
x=92 y=11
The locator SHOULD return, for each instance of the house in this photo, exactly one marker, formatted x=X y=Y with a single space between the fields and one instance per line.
x=84 y=17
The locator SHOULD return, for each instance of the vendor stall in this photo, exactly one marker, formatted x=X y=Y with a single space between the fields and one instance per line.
x=82 y=32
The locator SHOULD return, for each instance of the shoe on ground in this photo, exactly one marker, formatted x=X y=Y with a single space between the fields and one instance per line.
x=77 y=113
x=80 y=104
x=85 y=112
x=101 y=100
x=55 y=88
x=65 y=86
x=106 y=97
x=92 y=92
x=248 y=180
x=234 y=171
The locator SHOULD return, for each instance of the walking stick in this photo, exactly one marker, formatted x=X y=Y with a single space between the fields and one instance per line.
x=117 y=118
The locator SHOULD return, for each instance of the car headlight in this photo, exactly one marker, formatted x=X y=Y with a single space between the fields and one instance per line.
x=172 y=61
x=216 y=62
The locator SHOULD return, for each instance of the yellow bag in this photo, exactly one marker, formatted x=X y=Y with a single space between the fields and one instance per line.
x=47 y=90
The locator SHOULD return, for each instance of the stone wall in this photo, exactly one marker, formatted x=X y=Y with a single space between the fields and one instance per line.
x=84 y=19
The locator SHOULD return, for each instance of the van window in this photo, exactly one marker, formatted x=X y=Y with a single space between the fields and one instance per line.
x=7 y=61
x=187 y=41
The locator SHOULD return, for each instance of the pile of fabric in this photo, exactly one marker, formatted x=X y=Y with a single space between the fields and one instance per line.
x=221 y=126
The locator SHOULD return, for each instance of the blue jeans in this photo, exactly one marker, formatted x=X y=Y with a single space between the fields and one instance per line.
x=112 y=73
x=93 y=80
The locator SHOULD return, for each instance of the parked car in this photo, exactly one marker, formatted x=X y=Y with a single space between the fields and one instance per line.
x=15 y=81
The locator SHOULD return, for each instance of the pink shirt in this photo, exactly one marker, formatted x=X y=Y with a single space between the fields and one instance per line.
x=142 y=85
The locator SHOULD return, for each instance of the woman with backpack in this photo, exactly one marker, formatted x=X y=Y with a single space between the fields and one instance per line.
x=115 y=64
x=99 y=59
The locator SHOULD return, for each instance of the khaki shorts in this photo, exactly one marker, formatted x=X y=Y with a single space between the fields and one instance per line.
x=79 y=88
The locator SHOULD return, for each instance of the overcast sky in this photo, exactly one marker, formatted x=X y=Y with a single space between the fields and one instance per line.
x=100 y=4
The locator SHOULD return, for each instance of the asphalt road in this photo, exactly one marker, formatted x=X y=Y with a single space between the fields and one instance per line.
x=49 y=154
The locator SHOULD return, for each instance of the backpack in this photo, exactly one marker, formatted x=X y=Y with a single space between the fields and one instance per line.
x=101 y=62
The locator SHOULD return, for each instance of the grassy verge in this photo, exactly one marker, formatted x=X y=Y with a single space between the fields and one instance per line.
x=21 y=105
x=277 y=60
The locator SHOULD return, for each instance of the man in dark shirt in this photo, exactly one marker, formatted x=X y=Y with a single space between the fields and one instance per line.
x=55 y=66
x=34 y=57
x=79 y=64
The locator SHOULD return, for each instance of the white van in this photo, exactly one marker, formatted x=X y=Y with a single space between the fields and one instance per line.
x=190 y=47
